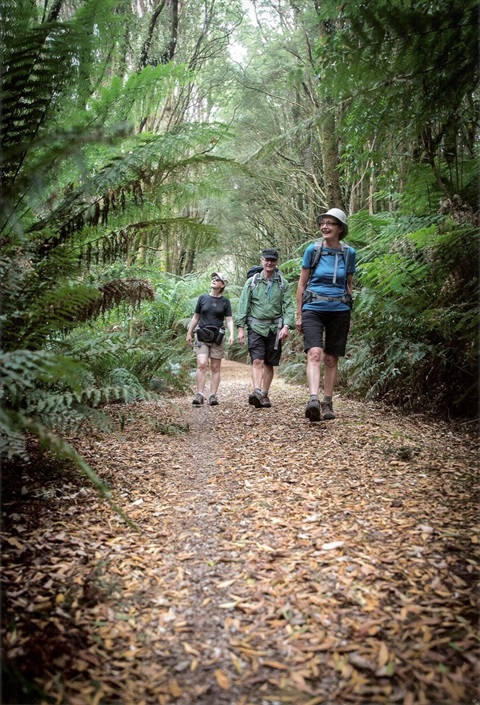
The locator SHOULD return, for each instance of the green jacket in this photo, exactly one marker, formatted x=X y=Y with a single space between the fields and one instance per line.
x=265 y=302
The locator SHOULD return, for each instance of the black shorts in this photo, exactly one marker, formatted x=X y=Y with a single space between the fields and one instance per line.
x=334 y=324
x=261 y=348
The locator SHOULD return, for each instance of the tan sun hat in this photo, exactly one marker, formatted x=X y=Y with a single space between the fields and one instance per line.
x=338 y=215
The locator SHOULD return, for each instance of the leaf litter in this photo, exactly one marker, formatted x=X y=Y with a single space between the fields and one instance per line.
x=276 y=561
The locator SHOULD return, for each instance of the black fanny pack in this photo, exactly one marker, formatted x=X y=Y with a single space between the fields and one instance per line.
x=210 y=334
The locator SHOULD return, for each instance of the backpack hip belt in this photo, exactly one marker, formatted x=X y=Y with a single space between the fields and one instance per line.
x=309 y=296
x=263 y=321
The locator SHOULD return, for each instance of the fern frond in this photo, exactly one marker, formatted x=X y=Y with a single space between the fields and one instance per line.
x=60 y=447
x=37 y=67
x=46 y=313
x=115 y=394
x=127 y=241
x=24 y=370
x=149 y=165
x=131 y=292
x=13 y=442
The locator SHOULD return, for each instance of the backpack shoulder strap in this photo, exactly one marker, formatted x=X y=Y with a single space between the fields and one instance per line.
x=345 y=252
x=278 y=277
x=317 y=253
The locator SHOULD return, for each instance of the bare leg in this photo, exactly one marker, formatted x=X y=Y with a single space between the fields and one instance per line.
x=331 y=373
x=215 y=375
x=267 y=378
x=201 y=374
x=257 y=373
x=314 y=358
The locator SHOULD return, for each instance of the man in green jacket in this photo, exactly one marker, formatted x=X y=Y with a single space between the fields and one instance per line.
x=266 y=310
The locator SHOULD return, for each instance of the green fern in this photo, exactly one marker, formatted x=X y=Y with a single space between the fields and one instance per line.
x=417 y=306
x=52 y=441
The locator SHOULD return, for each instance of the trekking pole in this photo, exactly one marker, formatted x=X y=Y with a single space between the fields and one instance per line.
x=277 y=338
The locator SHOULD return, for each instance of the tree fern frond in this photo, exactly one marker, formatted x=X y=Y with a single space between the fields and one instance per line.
x=24 y=370
x=122 y=99
x=63 y=308
x=269 y=146
x=46 y=314
x=144 y=168
x=60 y=447
x=37 y=67
x=131 y=292
x=126 y=242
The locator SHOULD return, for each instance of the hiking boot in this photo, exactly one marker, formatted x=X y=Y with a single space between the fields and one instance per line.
x=255 y=399
x=327 y=410
x=312 y=411
x=212 y=400
x=197 y=399
x=266 y=403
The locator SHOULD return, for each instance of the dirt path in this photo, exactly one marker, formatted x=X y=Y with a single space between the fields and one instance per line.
x=277 y=561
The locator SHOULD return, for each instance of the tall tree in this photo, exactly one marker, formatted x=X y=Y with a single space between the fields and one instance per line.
x=279 y=126
x=81 y=186
x=407 y=73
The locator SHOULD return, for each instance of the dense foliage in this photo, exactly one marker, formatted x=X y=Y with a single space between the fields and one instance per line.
x=416 y=317
x=86 y=199
x=376 y=112
x=140 y=146
x=145 y=143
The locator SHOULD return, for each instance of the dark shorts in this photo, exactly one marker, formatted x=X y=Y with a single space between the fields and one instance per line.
x=333 y=325
x=261 y=348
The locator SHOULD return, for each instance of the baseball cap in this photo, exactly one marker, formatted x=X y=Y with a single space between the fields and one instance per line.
x=222 y=277
x=269 y=254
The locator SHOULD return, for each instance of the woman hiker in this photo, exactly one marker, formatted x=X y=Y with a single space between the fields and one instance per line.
x=211 y=312
x=324 y=302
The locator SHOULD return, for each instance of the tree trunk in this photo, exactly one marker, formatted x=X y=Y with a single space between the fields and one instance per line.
x=329 y=141
x=144 y=55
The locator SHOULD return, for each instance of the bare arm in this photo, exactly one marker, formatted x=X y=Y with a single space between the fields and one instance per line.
x=302 y=284
x=350 y=284
x=229 y=322
x=191 y=327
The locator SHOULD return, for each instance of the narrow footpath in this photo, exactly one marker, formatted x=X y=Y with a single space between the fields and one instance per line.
x=276 y=561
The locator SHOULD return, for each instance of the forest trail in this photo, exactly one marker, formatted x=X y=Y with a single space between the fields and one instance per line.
x=277 y=561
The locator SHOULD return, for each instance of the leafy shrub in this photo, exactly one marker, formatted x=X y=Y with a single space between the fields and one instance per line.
x=82 y=190
x=414 y=340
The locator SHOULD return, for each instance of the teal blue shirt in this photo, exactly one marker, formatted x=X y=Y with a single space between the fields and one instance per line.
x=329 y=278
